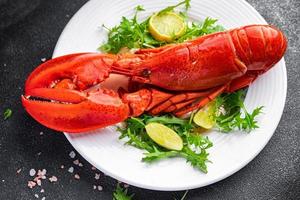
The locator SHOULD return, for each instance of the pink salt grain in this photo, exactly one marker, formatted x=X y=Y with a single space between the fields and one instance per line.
x=31 y=184
x=39 y=182
x=53 y=179
x=97 y=176
x=32 y=172
x=76 y=162
x=76 y=176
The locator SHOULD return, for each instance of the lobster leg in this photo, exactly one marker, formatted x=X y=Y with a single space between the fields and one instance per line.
x=178 y=106
x=176 y=100
x=155 y=50
x=234 y=85
x=241 y=82
x=202 y=102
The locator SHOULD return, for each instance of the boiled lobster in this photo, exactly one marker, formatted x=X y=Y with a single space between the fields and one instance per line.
x=64 y=93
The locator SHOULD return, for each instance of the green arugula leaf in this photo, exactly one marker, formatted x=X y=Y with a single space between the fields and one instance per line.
x=7 y=113
x=138 y=140
x=132 y=34
x=199 y=141
x=197 y=160
x=137 y=136
x=121 y=194
x=195 y=29
x=139 y=8
x=167 y=120
x=171 y=8
x=231 y=113
x=158 y=155
x=129 y=33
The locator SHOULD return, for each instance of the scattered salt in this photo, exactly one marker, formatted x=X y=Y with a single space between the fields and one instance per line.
x=41 y=133
x=93 y=168
x=76 y=176
x=71 y=169
x=42 y=172
x=221 y=111
x=43 y=198
x=43 y=59
x=42 y=190
x=72 y=154
x=32 y=172
x=80 y=165
x=31 y=184
x=126 y=185
x=97 y=176
x=62 y=166
x=39 y=182
x=94 y=187
x=36 y=195
x=19 y=170
x=100 y=188
x=53 y=179
x=76 y=162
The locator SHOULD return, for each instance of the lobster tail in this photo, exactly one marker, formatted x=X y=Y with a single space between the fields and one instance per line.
x=259 y=46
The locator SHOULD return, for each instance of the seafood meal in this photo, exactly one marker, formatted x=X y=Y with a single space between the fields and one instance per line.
x=181 y=77
x=176 y=78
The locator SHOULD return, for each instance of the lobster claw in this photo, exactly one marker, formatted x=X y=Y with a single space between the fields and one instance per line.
x=84 y=69
x=56 y=93
x=73 y=111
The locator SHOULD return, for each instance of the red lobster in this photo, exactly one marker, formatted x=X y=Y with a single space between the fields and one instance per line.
x=177 y=78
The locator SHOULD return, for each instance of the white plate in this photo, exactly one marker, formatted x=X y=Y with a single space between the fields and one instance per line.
x=230 y=152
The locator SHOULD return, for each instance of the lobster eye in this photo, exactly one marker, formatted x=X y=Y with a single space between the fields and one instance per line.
x=146 y=73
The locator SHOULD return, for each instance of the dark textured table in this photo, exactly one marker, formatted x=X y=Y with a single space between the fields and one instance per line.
x=29 y=30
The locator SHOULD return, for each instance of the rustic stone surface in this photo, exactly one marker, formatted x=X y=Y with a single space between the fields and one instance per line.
x=29 y=30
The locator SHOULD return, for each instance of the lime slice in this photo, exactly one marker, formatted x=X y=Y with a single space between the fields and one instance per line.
x=205 y=116
x=167 y=26
x=164 y=136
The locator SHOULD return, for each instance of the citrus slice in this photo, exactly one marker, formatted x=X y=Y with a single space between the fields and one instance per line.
x=164 y=136
x=205 y=116
x=167 y=26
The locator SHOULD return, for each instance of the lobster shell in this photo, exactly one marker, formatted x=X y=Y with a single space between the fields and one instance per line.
x=176 y=78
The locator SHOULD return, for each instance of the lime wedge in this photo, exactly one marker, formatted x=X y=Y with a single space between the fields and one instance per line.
x=167 y=26
x=205 y=116
x=164 y=136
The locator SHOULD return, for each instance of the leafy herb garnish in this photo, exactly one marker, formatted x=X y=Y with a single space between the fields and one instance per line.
x=171 y=8
x=195 y=29
x=230 y=112
x=7 y=113
x=121 y=194
x=229 y=116
x=195 y=145
x=132 y=34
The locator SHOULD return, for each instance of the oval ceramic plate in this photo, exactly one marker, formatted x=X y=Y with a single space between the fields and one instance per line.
x=230 y=152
